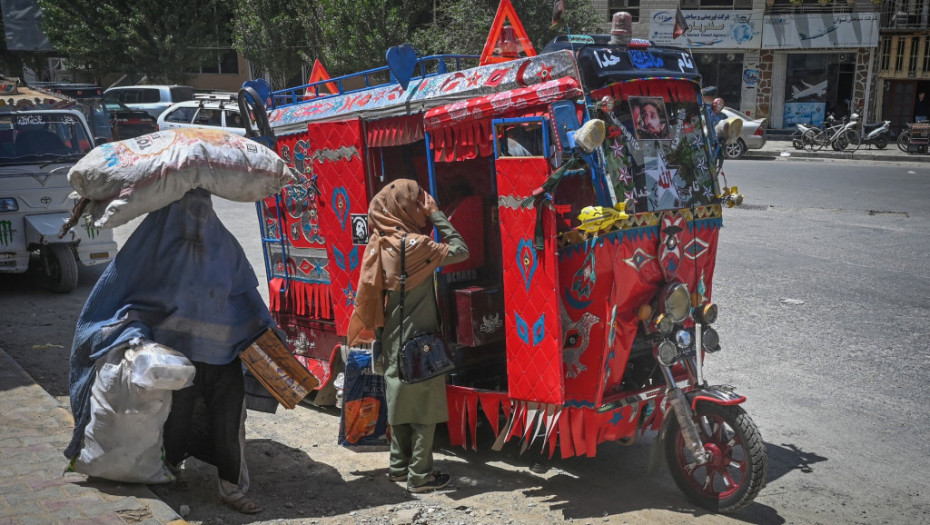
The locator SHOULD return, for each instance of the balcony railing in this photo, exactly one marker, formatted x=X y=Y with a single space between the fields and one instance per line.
x=906 y=15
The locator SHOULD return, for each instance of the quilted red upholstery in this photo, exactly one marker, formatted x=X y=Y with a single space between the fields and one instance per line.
x=335 y=155
x=533 y=328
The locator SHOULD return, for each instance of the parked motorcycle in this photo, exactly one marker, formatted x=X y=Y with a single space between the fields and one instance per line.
x=876 y=134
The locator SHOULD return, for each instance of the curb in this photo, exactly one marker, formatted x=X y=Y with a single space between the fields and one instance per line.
x=35 y=490
x=857 y=155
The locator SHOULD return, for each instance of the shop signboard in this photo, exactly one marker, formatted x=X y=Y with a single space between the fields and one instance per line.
x=708 y=29
x=820 y=30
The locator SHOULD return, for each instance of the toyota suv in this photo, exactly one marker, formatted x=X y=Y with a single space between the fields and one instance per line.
x=153 y=99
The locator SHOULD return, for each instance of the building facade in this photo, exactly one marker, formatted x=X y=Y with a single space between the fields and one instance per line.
x=790 y=61
x=903 y=61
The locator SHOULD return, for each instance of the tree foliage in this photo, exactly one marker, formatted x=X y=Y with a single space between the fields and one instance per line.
x=462 y=26
x=165 y=39
x=354 y=36
x=162 y=40
x=271 y=34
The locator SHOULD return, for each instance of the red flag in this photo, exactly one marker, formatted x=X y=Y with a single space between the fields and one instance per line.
x=681 y=25
x=558 y=10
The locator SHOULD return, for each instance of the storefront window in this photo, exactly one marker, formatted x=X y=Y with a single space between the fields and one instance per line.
x=725 y=71
x=818 y=85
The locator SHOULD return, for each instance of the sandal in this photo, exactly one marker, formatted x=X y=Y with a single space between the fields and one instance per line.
x=242 y=503
x=437 y=481
x=398 y=478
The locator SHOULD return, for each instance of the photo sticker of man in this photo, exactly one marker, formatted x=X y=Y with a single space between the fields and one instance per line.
x=359 y=229
x=649 y=119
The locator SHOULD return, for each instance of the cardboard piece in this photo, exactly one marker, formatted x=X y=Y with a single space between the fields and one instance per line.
x=278 y=370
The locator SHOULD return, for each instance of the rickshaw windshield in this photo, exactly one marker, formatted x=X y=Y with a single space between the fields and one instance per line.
x=41 y=137
x=655 y=149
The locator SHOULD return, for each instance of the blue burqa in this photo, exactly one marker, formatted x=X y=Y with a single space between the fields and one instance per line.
x=181 y=280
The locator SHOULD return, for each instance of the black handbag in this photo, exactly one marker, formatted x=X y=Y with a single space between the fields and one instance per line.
x=423 y=356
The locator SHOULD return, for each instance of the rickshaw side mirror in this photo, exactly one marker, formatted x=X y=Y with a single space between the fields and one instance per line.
x=566 y=123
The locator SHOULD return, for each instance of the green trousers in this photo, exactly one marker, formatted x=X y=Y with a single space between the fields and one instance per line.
x=412 y=452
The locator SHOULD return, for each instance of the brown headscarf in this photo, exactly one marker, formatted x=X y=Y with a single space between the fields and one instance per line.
x=397 y=210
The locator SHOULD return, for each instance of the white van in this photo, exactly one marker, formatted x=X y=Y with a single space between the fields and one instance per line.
x=37 y=148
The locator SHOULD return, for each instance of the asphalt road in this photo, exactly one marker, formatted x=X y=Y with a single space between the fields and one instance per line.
x=824 y=294
x=824 y=289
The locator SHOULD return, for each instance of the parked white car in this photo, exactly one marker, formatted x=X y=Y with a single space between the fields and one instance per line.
x=152 y=99
x=752 y=136
x=209 y=111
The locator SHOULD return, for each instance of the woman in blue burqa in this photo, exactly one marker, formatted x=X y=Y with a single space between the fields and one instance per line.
x=181 y=280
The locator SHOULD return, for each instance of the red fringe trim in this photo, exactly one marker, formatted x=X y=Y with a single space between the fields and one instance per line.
x=312 y=300
x=574 y=431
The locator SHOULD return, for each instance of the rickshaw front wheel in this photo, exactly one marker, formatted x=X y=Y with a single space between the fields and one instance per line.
x=735 y=474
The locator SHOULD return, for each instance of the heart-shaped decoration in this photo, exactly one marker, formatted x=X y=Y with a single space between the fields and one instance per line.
x=341 y=205
x=526 y=261
x=402 y=61
x=261 y=86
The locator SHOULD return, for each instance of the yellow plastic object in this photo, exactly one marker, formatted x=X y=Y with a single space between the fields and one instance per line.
x=596 y=218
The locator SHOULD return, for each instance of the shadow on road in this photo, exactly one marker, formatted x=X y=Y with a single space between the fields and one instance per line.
x=613 y=483
x=787 y=458
x=287 y=482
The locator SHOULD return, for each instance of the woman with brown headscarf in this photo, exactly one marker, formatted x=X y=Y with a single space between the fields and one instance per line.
x=402 y=209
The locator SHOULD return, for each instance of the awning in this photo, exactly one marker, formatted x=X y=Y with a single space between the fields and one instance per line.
x=394 y=131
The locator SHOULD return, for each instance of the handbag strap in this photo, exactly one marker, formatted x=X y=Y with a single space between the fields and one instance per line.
x=403 y=289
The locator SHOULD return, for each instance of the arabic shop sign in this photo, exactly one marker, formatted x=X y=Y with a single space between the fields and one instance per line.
x=709 y=29
x=822 y=30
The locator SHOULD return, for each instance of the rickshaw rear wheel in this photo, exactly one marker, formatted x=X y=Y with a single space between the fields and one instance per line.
x=735 y=474
x=61 y=269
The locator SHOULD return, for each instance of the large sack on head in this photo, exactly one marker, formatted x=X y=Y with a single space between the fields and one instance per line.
x=126 y=179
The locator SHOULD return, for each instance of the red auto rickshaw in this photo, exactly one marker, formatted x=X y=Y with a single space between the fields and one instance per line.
x=586 y=182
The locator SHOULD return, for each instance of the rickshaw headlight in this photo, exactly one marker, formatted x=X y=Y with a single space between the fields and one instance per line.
x=707 y=313
x=710 y=340
x=663 y=324
x=683 y=339
x=668 y=353
x=8 y=204
x=676 y=300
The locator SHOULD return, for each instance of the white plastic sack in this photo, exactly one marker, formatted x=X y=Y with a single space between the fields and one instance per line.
x=136 y=176
x=158 y=367
x=123 y=440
